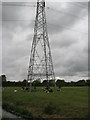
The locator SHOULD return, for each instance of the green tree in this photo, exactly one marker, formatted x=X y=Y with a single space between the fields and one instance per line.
x=81 y=83
x=88 y=82
x=24 y=82
x=51 y=83
x=60 y=83
x=45 y=83
x=3 y=78
x=37 y=82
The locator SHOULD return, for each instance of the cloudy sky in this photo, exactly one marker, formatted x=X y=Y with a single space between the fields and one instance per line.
x=68 y=35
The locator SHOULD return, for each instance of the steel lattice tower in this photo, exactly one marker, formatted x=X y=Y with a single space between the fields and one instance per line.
x=41 y=65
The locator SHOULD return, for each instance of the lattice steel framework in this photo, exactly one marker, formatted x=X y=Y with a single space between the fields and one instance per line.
x=41 y=65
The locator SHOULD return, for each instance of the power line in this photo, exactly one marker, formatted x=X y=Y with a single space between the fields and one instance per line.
x=26 y=5
x=22 y=5
x=27 y=20
x=14 y=4
x=49 y=23
x=49 y=8
x=59 y=11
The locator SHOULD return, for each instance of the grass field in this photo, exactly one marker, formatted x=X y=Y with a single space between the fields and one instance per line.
x=70 y=102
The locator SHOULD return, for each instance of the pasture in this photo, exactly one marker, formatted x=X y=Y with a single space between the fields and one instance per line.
x=70 y=102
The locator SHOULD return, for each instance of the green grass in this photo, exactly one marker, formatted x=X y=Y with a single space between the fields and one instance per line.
x=70 y=102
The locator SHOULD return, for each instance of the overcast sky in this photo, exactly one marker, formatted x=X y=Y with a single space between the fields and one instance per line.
x=68 y=35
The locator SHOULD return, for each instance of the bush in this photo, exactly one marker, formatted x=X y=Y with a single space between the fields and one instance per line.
x=39 y=117
x=50 y=109
x=26 y=113
x=7 y=107
x=17 y=111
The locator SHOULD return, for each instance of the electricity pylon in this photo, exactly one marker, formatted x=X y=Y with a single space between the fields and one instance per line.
x=41 y=65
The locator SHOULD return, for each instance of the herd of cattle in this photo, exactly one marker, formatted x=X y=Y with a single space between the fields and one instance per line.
x=46 y=89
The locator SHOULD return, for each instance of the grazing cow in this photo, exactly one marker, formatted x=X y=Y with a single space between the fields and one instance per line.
x=27 y=89
x=50 y=90
x=15 y=90
x=22 y=88
x=58 y=89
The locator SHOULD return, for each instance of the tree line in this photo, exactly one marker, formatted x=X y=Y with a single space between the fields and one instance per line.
x=59 y=83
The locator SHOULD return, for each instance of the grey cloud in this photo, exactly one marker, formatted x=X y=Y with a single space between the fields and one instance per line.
x=69 y=51
x=15 y=68
x=59 y=21
x=63 y=41
x=70 y=59
x=14 y=17
x=29 y=37
x=69 y=62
